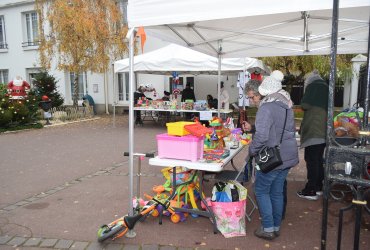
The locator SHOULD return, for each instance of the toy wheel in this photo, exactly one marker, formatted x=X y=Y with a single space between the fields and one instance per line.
x=155 y=213
x=175 y=218
x=106 y=232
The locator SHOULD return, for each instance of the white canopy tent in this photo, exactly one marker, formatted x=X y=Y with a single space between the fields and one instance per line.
x=177 y=58
x=239 y=28
x=254 y=29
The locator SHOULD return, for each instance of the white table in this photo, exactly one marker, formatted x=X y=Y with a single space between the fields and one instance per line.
x=223 y=111
x=167 y=117
x=198 y=166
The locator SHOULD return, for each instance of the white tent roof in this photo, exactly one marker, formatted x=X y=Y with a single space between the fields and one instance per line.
x=180 y=59
x=250 y=28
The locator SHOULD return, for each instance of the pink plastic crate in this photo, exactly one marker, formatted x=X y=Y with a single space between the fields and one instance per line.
x=186 y=147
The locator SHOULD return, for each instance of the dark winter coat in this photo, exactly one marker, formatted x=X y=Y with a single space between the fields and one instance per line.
x=315 y=106
x=188 y=94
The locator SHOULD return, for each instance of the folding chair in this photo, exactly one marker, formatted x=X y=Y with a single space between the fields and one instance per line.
x=241 y=177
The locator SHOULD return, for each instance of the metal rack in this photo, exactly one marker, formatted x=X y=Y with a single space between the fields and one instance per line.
x=337 y=157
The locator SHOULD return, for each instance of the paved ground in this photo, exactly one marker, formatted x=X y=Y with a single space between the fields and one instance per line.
x=59 y=184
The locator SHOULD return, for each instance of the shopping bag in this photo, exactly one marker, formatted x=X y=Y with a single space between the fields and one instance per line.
x=230 y=217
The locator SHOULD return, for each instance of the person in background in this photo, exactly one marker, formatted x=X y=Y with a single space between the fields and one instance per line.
x=188 y=93
x=313 y=133
x=212 y=102
x=224 y=97
x=273 y=108
x=88 y=98
x=138 y=95
x=166 y=96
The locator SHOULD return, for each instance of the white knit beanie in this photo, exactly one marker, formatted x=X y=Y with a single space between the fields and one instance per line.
x=271 y=83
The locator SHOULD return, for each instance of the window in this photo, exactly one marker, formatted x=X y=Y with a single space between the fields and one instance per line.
x=32 y=32
x=4 y=76
x=82 y=84
x=3 y=44
x=123 y=82
x=31 y=73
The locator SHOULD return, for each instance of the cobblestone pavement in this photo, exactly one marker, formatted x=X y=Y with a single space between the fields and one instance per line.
x=60 y=183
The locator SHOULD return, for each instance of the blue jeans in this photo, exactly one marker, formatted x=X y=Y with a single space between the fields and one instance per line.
x=269 y=194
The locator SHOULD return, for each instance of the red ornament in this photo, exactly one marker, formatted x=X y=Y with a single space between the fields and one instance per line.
x=45 y=98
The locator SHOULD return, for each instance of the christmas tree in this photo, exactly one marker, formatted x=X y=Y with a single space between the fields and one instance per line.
x=46 y=84
x=19 y=111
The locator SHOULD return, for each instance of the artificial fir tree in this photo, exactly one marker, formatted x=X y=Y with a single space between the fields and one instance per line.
x=46 y=84
x=17 y=112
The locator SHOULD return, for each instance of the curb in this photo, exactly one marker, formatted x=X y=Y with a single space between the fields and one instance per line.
x=66 y=123
x=17 y=241
x=51 y=125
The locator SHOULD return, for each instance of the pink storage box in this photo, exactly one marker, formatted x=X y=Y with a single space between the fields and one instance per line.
x=186 y=147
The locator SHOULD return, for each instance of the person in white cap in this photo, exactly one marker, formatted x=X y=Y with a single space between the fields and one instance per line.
x=275 y=106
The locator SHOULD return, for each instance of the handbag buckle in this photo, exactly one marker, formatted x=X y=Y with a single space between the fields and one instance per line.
x=264 y=156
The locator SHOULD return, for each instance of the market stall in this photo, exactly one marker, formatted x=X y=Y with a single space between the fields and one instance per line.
x=175 y=58
x=269 y=28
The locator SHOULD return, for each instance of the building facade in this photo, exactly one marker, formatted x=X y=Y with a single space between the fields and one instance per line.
x=19 y=56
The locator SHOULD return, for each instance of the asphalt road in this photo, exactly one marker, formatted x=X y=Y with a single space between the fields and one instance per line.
x=63 y=182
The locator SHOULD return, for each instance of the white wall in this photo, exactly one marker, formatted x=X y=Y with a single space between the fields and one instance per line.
x=207 y=85
x=16 y=59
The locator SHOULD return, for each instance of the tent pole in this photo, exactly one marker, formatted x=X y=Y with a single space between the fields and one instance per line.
x=366 y=106
x=332 y=76
x=114 y=98
x=305 y=31
x=131 y=121
x=219 y=78
x=244 y=83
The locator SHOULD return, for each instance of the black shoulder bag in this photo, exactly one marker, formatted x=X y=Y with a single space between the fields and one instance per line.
x=268 y=158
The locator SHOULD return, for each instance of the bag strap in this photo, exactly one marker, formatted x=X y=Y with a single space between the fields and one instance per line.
x=281 y=138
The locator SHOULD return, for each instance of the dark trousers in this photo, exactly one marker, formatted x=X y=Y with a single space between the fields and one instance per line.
x=138 y=117
x=313 y=155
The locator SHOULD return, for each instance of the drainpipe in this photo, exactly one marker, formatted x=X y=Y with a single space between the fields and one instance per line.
x=106 y=93
x=114 y=98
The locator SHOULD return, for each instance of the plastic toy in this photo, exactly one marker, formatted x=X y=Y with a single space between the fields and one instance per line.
x=245 y=139
x=157 y=205
x=211 y=141
x=120 y=227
